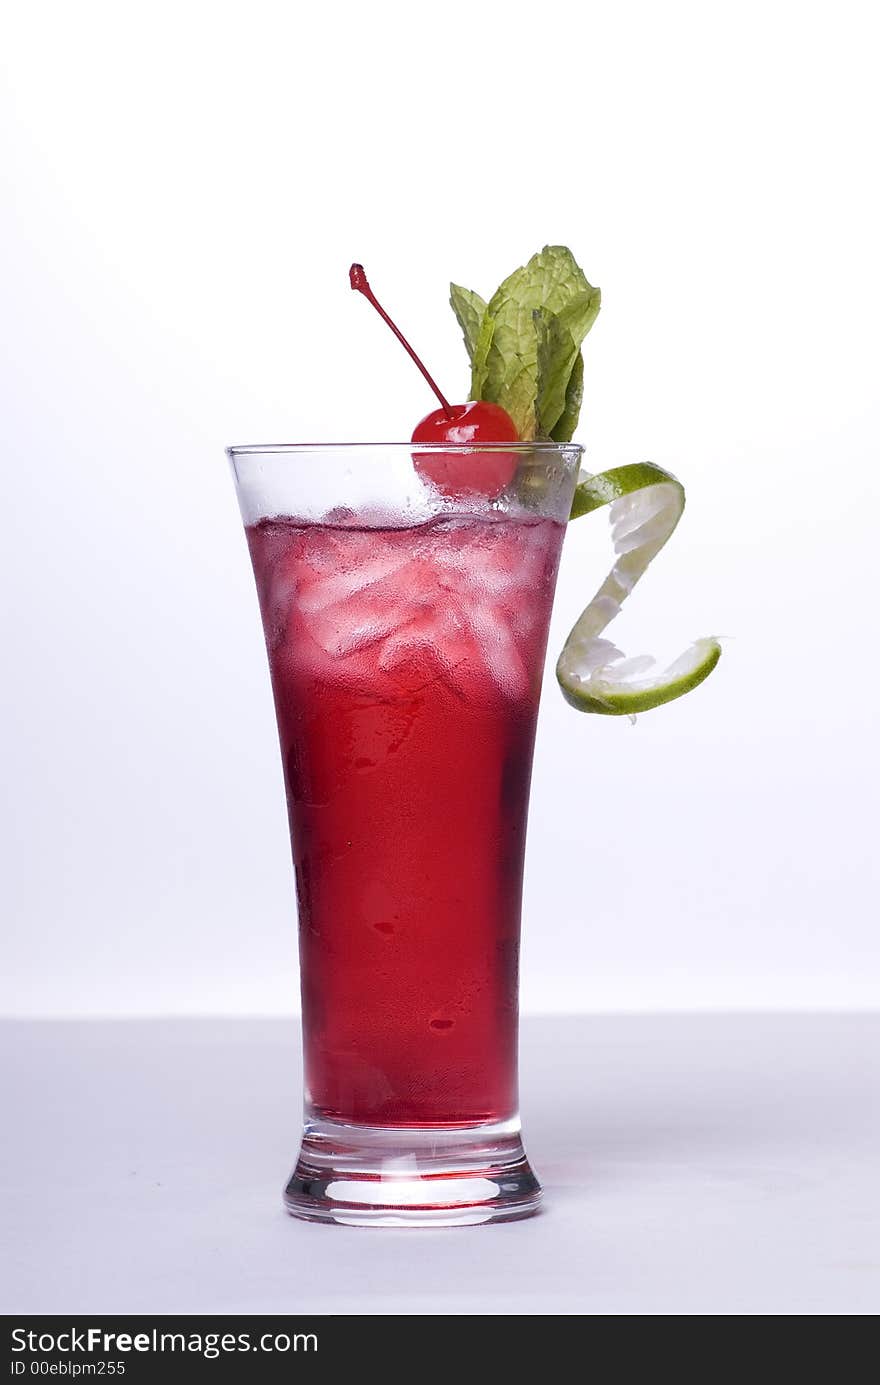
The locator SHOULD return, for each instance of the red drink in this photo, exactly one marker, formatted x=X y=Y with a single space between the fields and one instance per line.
x=406 y=666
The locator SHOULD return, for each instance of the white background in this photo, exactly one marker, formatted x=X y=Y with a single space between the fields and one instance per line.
x=184 y=187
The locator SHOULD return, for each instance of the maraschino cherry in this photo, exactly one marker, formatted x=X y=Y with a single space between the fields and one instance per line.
x=474 y=423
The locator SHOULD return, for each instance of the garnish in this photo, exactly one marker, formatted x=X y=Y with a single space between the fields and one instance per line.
x=525 y=343
x=527 y=381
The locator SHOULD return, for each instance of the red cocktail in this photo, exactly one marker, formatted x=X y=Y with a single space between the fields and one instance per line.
x=406 y=630
x=406 y=666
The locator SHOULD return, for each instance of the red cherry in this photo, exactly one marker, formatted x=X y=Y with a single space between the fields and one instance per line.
x=484 y=473
x=478 y=421
x=474 y=422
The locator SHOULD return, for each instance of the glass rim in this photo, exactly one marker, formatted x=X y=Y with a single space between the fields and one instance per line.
x=457 y=448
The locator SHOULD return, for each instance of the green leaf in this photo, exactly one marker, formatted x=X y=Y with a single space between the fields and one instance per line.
x=479 y=366
x=543 y=310
x=559 y=342
x=470 y=309
x=563 y=430
x=550 y=280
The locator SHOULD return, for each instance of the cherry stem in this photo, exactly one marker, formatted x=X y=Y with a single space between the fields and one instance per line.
x=360 y=284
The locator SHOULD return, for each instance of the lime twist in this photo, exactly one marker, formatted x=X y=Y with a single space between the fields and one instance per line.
x=594 y=675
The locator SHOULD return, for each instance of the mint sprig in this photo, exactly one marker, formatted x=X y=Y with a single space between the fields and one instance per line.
x=525 y=343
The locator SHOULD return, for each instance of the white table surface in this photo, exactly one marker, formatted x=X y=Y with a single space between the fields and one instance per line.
x=691 y=1165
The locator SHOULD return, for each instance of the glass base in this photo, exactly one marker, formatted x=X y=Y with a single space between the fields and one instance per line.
x=368 y=1175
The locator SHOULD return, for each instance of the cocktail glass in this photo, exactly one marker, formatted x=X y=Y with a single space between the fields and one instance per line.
x=406 y=626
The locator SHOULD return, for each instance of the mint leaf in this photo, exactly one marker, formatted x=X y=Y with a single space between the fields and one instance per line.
x=563 y=430
x=557 y=353
x=559 y=342
x=479 y=360
x=470 y=309
x=528 y=343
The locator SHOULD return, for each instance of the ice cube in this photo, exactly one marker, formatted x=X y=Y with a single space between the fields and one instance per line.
x=340 y=587
x=346 y=629
x=498 y=649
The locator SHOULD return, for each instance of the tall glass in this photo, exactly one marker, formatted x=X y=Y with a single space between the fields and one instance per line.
x=405 y=597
